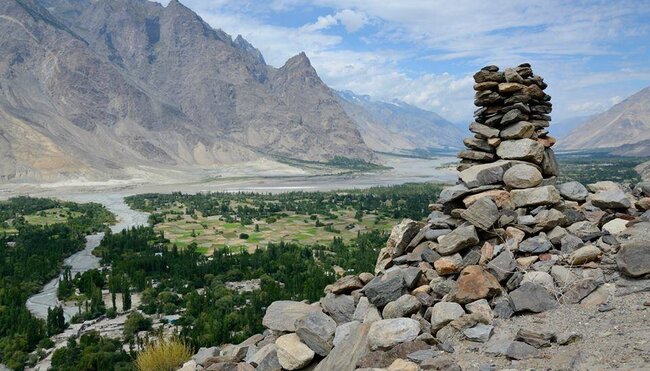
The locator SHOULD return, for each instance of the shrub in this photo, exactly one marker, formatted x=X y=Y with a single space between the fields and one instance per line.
x=164 y=355
x=243 y=236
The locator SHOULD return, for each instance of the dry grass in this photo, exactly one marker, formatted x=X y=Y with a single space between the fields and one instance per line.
x=163 y=355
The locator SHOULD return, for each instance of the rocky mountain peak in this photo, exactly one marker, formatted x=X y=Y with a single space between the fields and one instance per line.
x=249 y=49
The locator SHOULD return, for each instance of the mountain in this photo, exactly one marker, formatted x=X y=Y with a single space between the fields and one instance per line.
x=112 y=89
x=398 y=127
x=625 y=123
x=638 y=149
x=560 y=129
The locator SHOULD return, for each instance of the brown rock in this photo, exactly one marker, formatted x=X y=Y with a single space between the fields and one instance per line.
x=476 y=283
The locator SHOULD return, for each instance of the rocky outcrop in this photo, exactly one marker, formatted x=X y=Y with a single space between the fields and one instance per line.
x=505 y=240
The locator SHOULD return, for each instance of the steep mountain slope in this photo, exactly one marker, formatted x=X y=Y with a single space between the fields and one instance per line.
x=108 y=88
x=626 y=123
x=560 y=129
x=398 y=126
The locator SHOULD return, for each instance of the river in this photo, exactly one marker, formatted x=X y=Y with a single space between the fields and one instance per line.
x=84 y=260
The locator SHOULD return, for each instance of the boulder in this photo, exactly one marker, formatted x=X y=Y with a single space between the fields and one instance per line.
x=282 y=315
x=532 y=297
x=345 y=285
x=522 y=176
x=573 y=191
x=484 y=174
x=520 y=130
x=549 y=219
x=536 y=245
x=521 y=149
x=539 y=278
x=563 y=276
x=584 y=255
x=382 y=290
x=611 y=199
x=503 y=265
x=401 y=236
x=204 y=353
x=633 y=259
x=316 y=330
x=615 y=226
x=457 y=240
x=366 y=312
x=266 y=358
x=348 y=351
x=546 y=195
x=483 y=130
x=520 y=350
x=293 y=354
x=339 y=307
x=480 y=333
x=481 y=307
x=387 y=333
x=578 y=290
x=585 y=230
x=483 y=213
x=476 y=283
x=404 y=306
x=444 y=312
x=447 y=265
x=550 y=166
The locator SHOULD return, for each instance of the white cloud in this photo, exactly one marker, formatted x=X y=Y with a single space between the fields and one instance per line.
x=351 y=20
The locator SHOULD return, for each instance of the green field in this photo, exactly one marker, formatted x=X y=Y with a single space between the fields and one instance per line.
x=247 y=221
x=212 y=232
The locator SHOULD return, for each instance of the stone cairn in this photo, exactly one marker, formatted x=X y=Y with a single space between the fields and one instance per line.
x=506 y=240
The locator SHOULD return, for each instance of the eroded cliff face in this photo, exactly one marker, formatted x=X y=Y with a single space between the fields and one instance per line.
x=110 y=85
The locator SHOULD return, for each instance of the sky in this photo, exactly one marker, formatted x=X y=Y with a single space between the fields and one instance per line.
x=593 y=54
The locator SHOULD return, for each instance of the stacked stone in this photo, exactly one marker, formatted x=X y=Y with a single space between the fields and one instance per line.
x=506 y=239
x=511 y=121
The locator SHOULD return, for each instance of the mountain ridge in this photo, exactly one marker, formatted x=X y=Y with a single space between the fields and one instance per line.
x=138 y=85
x=626 y=123
x=398 y=127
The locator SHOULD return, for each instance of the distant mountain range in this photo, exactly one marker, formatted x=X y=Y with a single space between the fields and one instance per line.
x=624 y=128
x=398 y=127
x=103 y=89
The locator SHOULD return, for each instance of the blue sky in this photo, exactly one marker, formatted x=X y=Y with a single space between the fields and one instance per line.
x=592 y=54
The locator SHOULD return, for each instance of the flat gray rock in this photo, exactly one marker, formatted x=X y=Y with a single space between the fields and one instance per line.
x=573 y=191
x=282 y=315
x=546 y=195
x=633 y=259
x=611 y=199
x=340 y=307
x=532 y=297
x=381 y=290
x=316 y=330
x=387 y=333
x=404 y=306
x=459 y=239
x=536 y=245
x=483 y=213
x=521 y=149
